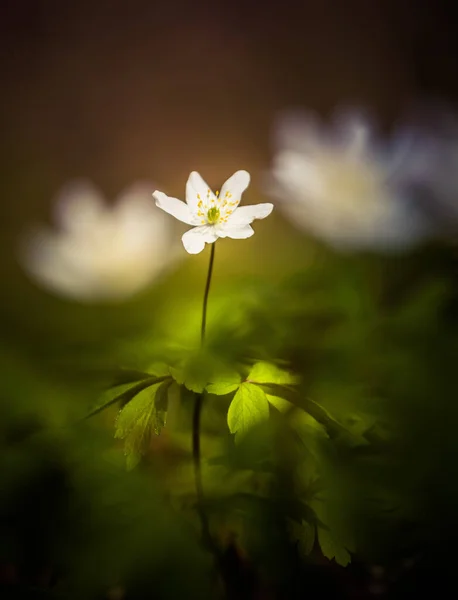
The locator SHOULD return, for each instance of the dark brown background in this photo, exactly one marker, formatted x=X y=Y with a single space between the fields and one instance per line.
x=119 y=90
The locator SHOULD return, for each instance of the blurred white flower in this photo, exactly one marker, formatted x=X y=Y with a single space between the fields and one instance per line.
x=433 y=168
x=98 y=251
x=341 y=186
x=213 y=215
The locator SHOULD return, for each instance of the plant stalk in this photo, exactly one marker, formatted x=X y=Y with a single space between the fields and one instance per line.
x=196 y=452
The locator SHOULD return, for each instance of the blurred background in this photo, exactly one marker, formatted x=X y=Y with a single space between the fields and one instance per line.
x=119 y=92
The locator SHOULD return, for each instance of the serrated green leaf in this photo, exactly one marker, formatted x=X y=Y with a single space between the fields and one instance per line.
x=332 y=549
x=305 y=534
x=194 y=373
x=139 y=418
x=265 y=372
x=134 y=411
x=161 y=403
x=161 y=399
x=203 y=371
x=248 y=408
x=122 y=395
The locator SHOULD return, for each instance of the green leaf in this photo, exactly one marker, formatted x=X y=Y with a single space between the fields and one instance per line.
x=310 y=439
x=248 y=408
x=161 y=403
x=114 y=396
x=305 y=534
x=143 y=415
x=315 y=410
x=332 y=549
x=227 y=383
x=265 y=372
x=203 y=371
x=194 y=373
x=280 y=404
x=161 y=399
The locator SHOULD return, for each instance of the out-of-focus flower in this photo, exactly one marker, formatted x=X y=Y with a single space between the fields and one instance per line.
x=342 y=186
x=98 y=251
x=214 y=215
x=433 y=167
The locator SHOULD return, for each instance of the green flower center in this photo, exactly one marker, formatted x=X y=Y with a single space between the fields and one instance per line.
x=213 y=215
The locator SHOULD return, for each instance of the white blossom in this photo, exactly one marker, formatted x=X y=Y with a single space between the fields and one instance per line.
x=342 y=186
x=98 y=251
x=214 y=215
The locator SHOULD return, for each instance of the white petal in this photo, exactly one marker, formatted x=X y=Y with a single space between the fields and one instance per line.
x=235 y=186
x=195 y=239
x=196 y=186
x=236 y=232
x=175 y=207
x=244 y=215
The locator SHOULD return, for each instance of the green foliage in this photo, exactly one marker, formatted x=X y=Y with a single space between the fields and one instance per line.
x=201 y=369
x=250 y=404
x=227 y=384
x=336 y=438
x=116 y=396
x=305 y=534
x=248 y=408
x=145 y=414
x=265 y=373
x=331 y=548
x=279 y=403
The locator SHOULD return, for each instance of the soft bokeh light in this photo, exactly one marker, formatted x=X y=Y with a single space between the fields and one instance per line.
x=100 y=252
x=342 y=185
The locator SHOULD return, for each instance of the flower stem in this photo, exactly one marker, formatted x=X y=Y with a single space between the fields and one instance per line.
x=196 y=420
x=207 y=290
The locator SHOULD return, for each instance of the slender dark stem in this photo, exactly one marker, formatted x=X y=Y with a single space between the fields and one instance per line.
x=196 y=420
x=207 y=290
x=197 y=469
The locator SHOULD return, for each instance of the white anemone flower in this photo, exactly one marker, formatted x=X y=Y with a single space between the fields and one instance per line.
x=214 y=215
x=339 y=185
x=99 y=252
